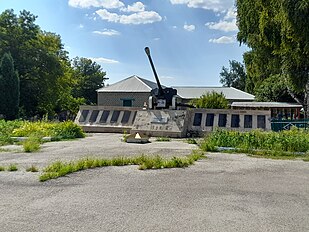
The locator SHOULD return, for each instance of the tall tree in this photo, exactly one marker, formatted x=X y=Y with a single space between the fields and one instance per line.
x=234 y=76
x=9 y=88
x=39 y=58
x=277 y=32
x=90 y=77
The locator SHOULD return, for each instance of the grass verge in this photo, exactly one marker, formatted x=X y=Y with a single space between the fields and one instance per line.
x=58 y=169
x=292 y=144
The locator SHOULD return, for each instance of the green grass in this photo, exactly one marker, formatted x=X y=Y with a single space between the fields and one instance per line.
x=59 y=168
x=32 y=168
x=163 y=139
x=290 y=144
x=32 y=144
x=2 y=168
x=12 y=168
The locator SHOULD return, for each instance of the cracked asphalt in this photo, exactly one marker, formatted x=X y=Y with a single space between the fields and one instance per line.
x=225 y=192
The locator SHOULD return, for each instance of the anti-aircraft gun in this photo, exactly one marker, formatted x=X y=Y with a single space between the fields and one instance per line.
x=161 y=98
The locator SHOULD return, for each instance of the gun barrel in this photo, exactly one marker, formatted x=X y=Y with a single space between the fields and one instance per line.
x=147 y=50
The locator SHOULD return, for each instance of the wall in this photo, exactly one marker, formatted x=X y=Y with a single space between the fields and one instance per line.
x=115 y=98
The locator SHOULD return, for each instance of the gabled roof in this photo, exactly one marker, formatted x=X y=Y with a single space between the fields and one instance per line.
x=137 y=84
x=130 y=84
x=230 y=93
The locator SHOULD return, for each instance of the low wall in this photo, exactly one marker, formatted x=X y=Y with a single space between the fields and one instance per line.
x=169 y=123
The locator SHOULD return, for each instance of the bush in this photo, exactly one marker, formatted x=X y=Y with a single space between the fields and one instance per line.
x=58 y=131
x=6 y=129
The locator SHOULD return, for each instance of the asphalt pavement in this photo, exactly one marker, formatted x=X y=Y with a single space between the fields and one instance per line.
x=225 y=192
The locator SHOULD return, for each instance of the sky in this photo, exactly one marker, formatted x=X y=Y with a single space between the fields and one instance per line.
x=190 y=40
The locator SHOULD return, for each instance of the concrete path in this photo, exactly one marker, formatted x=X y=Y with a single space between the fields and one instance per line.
x=225 y=192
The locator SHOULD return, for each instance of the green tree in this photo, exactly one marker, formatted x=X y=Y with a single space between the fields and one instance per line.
x=41 y=63
x=234 y=76
x=90 y=77
x=211 y=100
x=9 y=88
x=277 y=33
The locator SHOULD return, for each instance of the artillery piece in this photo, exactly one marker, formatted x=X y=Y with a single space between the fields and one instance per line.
x=161 y=98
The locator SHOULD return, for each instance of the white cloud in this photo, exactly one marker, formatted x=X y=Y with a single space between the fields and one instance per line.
x=174 y=27
x=108 y=4
x=107 y=32
x=143 y=17
x=214 y=5
x=81 y=26
x=135 y=7
x=189 y=27
x=102 y=60
x=223 y=25
x=156 y=39
x=231 y=14
x=224 y=40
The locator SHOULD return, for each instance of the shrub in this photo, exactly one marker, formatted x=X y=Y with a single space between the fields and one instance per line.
x=58 y=131
x=2 y=168
x=6 y=129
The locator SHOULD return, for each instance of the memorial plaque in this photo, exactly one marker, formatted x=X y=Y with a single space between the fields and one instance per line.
x=159 y=120
x=222 y=120
x=126 y=117
x=248 y=121
x=94 y=116
x=115 y=116
x=261 y=122
x=83 y=115
x=235 y=120
x=104 y=116
x=210 y=119
x=197 y=121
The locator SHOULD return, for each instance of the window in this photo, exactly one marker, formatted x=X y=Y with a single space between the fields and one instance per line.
x=210 y=119
x=222 y=120
x=248 y=121
x=127 y=103
x=197 y=119
x=83 y=116
x=115 y=116
x=104 y=116
x=235 y=120
x=125 y=117
x=261 y=121
x=94 y=116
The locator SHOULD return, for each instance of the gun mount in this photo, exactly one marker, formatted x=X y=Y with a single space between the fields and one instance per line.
x=161 y=98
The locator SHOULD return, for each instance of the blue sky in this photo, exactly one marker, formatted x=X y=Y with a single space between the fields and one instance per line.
x=190 y=40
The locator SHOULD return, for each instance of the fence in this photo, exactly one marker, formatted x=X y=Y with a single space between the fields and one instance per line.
x=278 y=125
